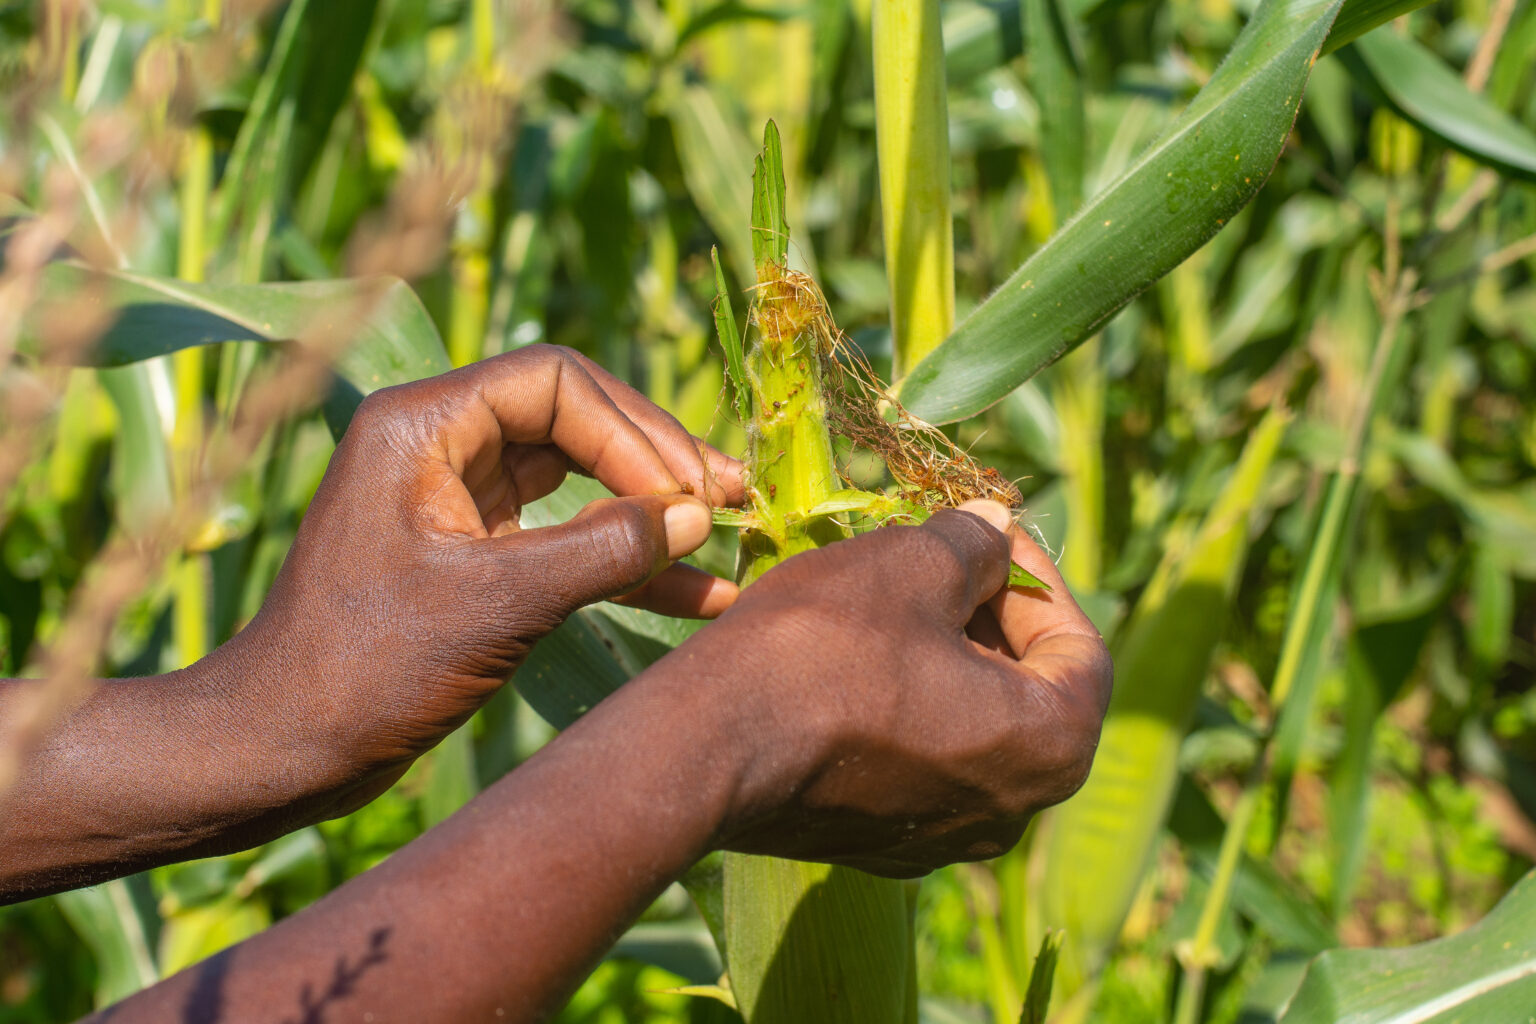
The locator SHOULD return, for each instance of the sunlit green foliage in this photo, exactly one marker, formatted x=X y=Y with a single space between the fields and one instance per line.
x=544 y=172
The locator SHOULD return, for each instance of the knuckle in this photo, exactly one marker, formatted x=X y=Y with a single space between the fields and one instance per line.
x=382 y=404
x=621 y=541
x=559 y=359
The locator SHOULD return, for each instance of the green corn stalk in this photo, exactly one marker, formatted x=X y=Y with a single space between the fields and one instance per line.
x=190 y=617
x=1096 y=845
x=805 y=943
x=912 y=132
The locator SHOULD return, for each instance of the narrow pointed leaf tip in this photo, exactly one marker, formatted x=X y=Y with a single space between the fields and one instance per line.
x=770 y=228
x=730 y=341
x=1042 y=979
x=1018 y=576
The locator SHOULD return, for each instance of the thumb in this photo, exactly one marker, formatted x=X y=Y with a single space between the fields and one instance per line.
x=609 y=548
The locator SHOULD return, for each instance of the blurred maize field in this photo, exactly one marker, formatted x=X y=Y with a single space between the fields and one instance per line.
x=1293 y=481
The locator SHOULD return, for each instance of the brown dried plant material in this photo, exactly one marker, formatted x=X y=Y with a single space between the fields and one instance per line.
x=927 y=468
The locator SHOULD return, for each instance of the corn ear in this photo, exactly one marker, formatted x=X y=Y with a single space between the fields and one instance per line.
x=805 y=943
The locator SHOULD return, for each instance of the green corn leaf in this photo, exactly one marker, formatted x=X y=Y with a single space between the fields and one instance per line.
x=118 y=921
x=1056 y=81
x=257 y=125
x=1018 y=576
x=1172 y=200
x=770 y=228
x=716 y=157
x=1042 y=978
x=1424 y=90
x=1357 y=17
x=1097 y=844
x=1486 y=973
x=195 y=933
x=141 y=462
x=730 y=341
x=153 y=316
x=838 y=933
x=683 y=947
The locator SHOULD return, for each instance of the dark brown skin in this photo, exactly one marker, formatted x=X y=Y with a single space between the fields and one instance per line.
x=885 y=703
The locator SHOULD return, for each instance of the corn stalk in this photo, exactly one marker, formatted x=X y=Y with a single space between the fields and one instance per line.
x=805 y=943
x=912 y=132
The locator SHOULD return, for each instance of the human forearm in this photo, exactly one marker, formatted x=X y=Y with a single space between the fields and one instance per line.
x=220 y=756
x=408 y=597
x=808 y=722
x=505 y=906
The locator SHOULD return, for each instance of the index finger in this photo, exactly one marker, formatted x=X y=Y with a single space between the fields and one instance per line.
x=714 y=476
x=545 y=395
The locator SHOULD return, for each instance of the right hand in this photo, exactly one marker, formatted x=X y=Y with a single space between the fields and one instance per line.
x=894 y=706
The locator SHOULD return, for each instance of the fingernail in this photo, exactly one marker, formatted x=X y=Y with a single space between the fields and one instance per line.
x=992 y=511
x=687 y=522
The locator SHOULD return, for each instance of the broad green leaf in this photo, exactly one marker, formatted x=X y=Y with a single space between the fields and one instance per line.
x=395 y=341
x=1423 y=89
x=1357 y=17
x=141 y=464
x=117 y=920
x=683 y=947
x=838 y=935
x=1096 y=845
x=1173 y=199
x=1486 y=973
